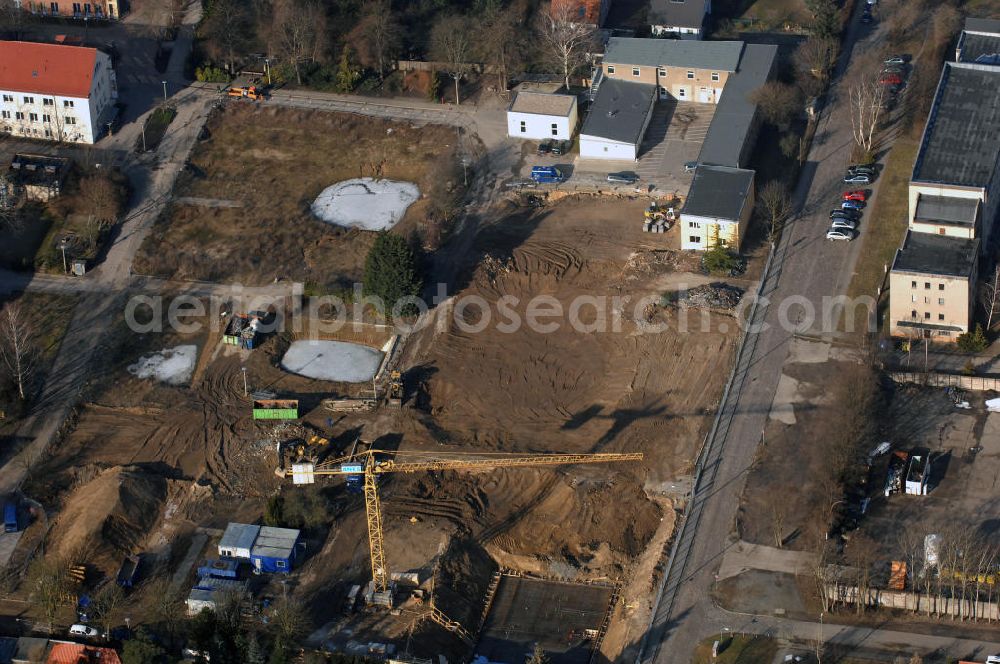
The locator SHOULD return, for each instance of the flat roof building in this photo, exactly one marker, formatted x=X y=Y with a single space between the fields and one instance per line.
x=718 y=208
x=237 y=540
x=979 y=41
x=540 y=115
x=684 y=18
x=274 y=550
x=617 y=120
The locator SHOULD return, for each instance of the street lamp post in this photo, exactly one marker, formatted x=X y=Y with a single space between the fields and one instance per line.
x=164 y=91
x=62 y=246
x=246 y=391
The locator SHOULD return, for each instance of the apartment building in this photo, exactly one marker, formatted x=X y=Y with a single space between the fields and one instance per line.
x=932 y=286
x=55 y=92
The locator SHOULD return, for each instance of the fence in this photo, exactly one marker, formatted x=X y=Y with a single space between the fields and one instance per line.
x=973 y=383
x=421 y=65
x=935 y=605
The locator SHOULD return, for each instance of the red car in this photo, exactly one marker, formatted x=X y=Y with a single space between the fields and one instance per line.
x=858 y=195
x=891 y=79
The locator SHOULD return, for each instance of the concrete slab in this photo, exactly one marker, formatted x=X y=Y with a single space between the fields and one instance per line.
x=744 y=556
x=807 y=351
x=785 y=397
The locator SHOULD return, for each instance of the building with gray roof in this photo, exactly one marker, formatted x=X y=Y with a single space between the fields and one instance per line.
x=685 y=18
x=717 y=208
x=617 y=120
x=979 y=42
x=734 y=127
x=714 y=55
x=237 y=540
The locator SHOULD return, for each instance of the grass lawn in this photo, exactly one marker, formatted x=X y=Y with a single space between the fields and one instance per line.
x=766 y=14
x=736 y=650
x=886 y=221
x=156 y=128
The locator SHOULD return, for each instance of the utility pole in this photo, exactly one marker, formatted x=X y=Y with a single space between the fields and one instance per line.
x=246 y=391
x=143 y=136
x=164 y=91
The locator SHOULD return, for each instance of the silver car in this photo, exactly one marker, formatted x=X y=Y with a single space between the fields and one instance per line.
x=840 y=234
x=843 y=223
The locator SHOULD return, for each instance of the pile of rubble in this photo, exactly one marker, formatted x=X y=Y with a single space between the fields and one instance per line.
x=493 y=266
x=713 y=296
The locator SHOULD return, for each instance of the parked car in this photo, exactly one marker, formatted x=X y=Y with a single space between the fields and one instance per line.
x=852 y=205
x=547 y=174
x=861 y=168
x=545 y=147
x=689 y=166
x=857 y=178
x=561 y=147
x=83 y=630
x=867 y=17
x=10 y=518
x=843 y=223
x=853 y=215
x=891 y=78
x=840 y=234
x=623 y=178
x=895 y=60
x=856 y=195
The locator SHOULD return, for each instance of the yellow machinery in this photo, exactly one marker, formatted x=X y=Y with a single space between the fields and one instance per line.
x=367 y=466
x=395 y=389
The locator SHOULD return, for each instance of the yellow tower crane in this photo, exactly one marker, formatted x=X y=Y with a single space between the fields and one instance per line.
x=367 y=466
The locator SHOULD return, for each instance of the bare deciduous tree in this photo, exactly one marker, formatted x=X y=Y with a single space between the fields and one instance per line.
x=775 y=204
x=48 y=583
x=814 y=59
x=14 y=18
x=564 y=42
x=866 y=96
x=383 y=34
x=226 y=28
x=101 y=199
x=989 y=295
x=298 y=33
x=500 y=39
x=778 y=525
x=451 y=44
x=779 y=103
x=17 y=352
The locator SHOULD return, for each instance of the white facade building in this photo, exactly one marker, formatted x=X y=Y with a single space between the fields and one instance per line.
x=55 y=92
x=538 y=116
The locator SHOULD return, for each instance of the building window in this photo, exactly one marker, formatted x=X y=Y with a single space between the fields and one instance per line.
x=661 y=72
x=681 y=93
x=927 y=300
x=913 y=314
x=33 y=117
x=690 y=74
x=46 y=118
x=913 y=284
x=913 y=298
x=19 y=115
x=940 y=231
x=694 y=224
x=715 y=76
x=694 y=239
x=927 y=284
x=70 y=121
x=635 y=71
x=940 y=286
x=524 y=126
x=29 y=100
x=927 y=314
x=67 y=103
x=940 y=316
x=555 y=129
x=280 y=564
x=611 y=69
x=5 y=115
x=8 y=97
x=941 y=301
x=48 y=101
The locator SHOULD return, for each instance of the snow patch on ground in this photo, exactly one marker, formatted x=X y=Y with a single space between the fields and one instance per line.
x=173 y=366
x=365 y=203
x=337 y=361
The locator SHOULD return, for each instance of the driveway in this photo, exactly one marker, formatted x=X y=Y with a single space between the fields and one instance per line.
x=674 y=137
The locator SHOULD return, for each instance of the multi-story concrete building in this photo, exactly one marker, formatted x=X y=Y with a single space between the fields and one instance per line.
x=681 y=70
x=55 y=92
x=932 y=286
x=91 y=9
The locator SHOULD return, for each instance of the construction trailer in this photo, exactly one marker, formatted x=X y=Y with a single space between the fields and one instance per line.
x=275 y=409
x=206 y=591
x=238 y=540
x=274 y=550
x=128 y=572
x=243 y=330
x=219 y=568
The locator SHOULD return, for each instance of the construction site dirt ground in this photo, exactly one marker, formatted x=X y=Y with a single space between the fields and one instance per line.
x=162 y=461
x=241 y=209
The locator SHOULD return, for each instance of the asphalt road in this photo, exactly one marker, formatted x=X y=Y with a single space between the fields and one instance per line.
x=806 y=269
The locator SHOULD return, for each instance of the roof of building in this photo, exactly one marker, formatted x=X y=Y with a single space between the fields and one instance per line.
x=239 y=536
x=210 y=583
x=928 y=253
x=947 y=210
x=275 y=542
x=719 y=192
x=8 y=646
x=734 y=114
x=31 y=648
x=54 y=69
x=677 y=13
x=77 y=653
x=962 y=138
x=982 y=25
x=28 y=169
x=620 y=111
x=543 y=104
x=690 y=53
